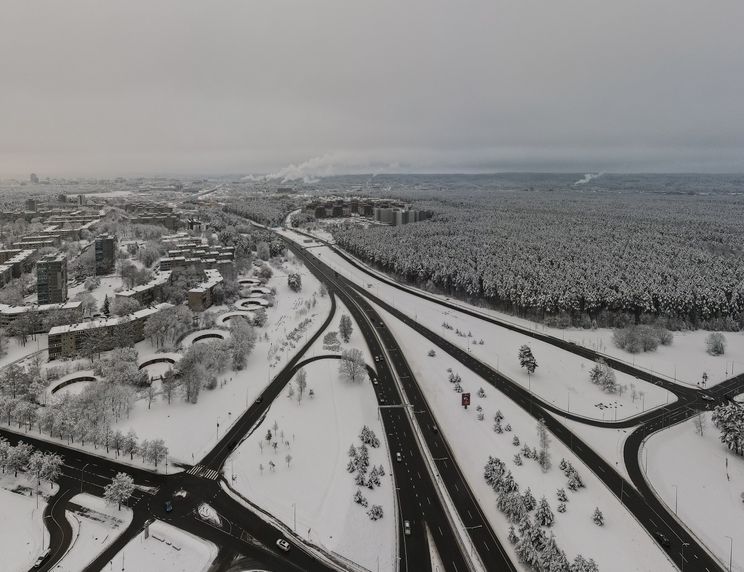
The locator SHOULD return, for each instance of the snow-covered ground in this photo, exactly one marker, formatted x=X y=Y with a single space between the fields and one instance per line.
x=607 y=442
x=15 y=351
x=190 y=430
x=22 y=532
x=168 y=549
x=707 y=482
x=683 y=361
x=97 y=525
x=109 y=286
x=620 y=545
x=316 y=483
x=562 y=378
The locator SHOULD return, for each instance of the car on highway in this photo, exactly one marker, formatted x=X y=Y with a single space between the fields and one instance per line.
x=378 y=358
x=398 y=457
x=258 y=400
x=283 y=544
x=168 y=506
x=435 y=429
x=707 y=397
x=374 y=381
x=662 y=540
x=42 y=558
x=407 y=528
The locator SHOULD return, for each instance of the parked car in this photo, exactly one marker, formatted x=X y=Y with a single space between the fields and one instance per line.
x=406 y=528
x=398 y=457
x=168 y=506
x=283 y=544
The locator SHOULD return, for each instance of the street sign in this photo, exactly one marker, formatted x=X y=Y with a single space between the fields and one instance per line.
x=465 y=400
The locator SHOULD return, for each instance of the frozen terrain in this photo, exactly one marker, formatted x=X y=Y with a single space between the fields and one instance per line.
x=705 y=481
x=315 y=486
x=562 y=378
x=98 y=525
x=168 y=549
x=190 y=430
x=620 y=545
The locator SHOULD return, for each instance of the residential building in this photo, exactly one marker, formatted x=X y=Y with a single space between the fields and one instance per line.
x=201 y=297
x=105 y=249
x=70 y=340
x=51 y=279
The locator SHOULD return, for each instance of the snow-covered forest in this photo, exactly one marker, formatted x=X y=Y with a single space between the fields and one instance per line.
x=575 y=258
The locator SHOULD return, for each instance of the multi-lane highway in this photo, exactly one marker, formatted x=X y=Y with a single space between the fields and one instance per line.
x=686 y=551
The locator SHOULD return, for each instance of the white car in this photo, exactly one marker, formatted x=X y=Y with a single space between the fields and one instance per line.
x=283 y=544
x=398 y=457
x=407 y=528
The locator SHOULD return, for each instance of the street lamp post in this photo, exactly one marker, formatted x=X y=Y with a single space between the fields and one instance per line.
x=675 y=498
x=684 y=544
x=731 y=552
x=82 y=471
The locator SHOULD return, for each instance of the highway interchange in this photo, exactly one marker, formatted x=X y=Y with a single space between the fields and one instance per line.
x=431 y=491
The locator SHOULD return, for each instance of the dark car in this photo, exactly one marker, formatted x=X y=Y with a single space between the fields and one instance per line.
x=168 y=506
x=662 y=540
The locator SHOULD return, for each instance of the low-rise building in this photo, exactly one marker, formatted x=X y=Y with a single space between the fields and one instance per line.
x=148 y=293
x=70 y=340
x=201 y=297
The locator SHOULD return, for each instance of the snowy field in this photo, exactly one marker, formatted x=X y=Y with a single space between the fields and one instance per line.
x=319 y=431
x=109 y=286
x=190 y=430
x=21 y=528
x=97 y=524
x=168 y=549
x=15 y=351
x=562 y=378
x=709 y=482
x=607 y=442
x=683 y=361
x=620 y=545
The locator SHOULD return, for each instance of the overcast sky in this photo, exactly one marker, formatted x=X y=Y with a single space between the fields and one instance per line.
x=330 y=86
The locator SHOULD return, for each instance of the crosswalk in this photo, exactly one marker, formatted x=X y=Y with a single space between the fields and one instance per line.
x=203 y=472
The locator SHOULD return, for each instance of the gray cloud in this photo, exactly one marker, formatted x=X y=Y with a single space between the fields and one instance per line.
x=304 y=89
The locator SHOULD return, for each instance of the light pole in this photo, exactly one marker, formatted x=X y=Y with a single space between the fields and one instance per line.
x=731 y=551
x=684 y=544
x=294 y=516
x=82 y=471
x=675 y=498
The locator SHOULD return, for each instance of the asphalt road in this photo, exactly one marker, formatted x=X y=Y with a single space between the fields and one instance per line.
x=400 y=432
x=684 y=549
x=245 y=533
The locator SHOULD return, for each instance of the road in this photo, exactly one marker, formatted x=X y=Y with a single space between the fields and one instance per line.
x=685 y=550
x=400 y=431
x=246 y=533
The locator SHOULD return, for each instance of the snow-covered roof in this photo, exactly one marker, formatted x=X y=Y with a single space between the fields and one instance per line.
x=108 y=322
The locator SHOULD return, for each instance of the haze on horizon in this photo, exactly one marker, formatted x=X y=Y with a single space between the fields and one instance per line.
x=331 y=86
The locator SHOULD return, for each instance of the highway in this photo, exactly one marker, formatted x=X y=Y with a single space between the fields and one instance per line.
x=685 y=550
x=482 y=538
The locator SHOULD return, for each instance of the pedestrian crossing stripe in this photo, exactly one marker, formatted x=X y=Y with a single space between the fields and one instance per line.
x=203 y=472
